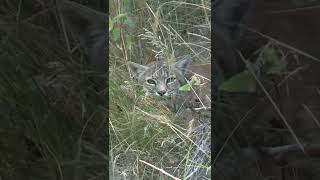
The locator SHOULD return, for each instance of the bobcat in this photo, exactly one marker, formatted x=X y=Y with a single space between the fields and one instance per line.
x=160 y=79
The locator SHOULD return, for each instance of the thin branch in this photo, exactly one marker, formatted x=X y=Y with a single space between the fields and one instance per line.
x=250 y=68
x=160 y=170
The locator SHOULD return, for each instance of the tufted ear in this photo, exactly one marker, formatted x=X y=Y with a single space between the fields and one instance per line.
x=183 y=63
x=90 y=27
x=137 y=70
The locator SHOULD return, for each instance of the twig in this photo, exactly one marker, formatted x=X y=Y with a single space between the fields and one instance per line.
x=311 y=149
x=161 y=170
x=314 y=118
x=282 y=44
x=272 y=101
x=293 y=10
x=231 y=134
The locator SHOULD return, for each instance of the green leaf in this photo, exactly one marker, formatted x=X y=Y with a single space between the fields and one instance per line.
x=185 y=87
x=277 y=68
x=115 y=34
x=242 y=82
x=119 y=17
x=195 y=80
x=110 y=25
x=273 y=63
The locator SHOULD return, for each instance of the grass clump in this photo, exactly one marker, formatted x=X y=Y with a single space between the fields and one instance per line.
x=143 y=130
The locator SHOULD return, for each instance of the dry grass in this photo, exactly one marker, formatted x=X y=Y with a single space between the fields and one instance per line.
x=141 y=128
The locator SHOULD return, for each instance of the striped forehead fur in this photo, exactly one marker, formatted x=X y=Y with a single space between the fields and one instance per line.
x=159 y=68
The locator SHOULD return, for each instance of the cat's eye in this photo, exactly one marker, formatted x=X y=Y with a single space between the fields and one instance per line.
x=170 y=80
x=151 y=81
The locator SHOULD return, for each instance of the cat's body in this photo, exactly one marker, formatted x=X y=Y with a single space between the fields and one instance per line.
x=193 y=105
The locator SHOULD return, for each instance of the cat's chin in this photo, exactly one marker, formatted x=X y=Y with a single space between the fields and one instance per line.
x=166 y=95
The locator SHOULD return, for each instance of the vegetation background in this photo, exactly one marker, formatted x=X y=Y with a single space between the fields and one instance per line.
x=266 y=125
x=51 y=110
x=141 y=128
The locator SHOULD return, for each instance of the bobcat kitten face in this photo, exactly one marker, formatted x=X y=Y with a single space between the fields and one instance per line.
x=159 y=79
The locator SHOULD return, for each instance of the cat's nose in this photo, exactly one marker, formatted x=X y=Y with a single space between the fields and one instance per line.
x=161 y=93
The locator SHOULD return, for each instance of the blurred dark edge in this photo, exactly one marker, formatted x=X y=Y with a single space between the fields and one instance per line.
x=53 y=116
x=245 y=124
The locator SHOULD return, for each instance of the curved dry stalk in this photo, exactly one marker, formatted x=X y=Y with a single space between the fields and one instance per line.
x=160 y=170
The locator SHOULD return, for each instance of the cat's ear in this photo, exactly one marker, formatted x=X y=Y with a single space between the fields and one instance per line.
x=90 y=27
x=183 y=63
x=137 y=70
